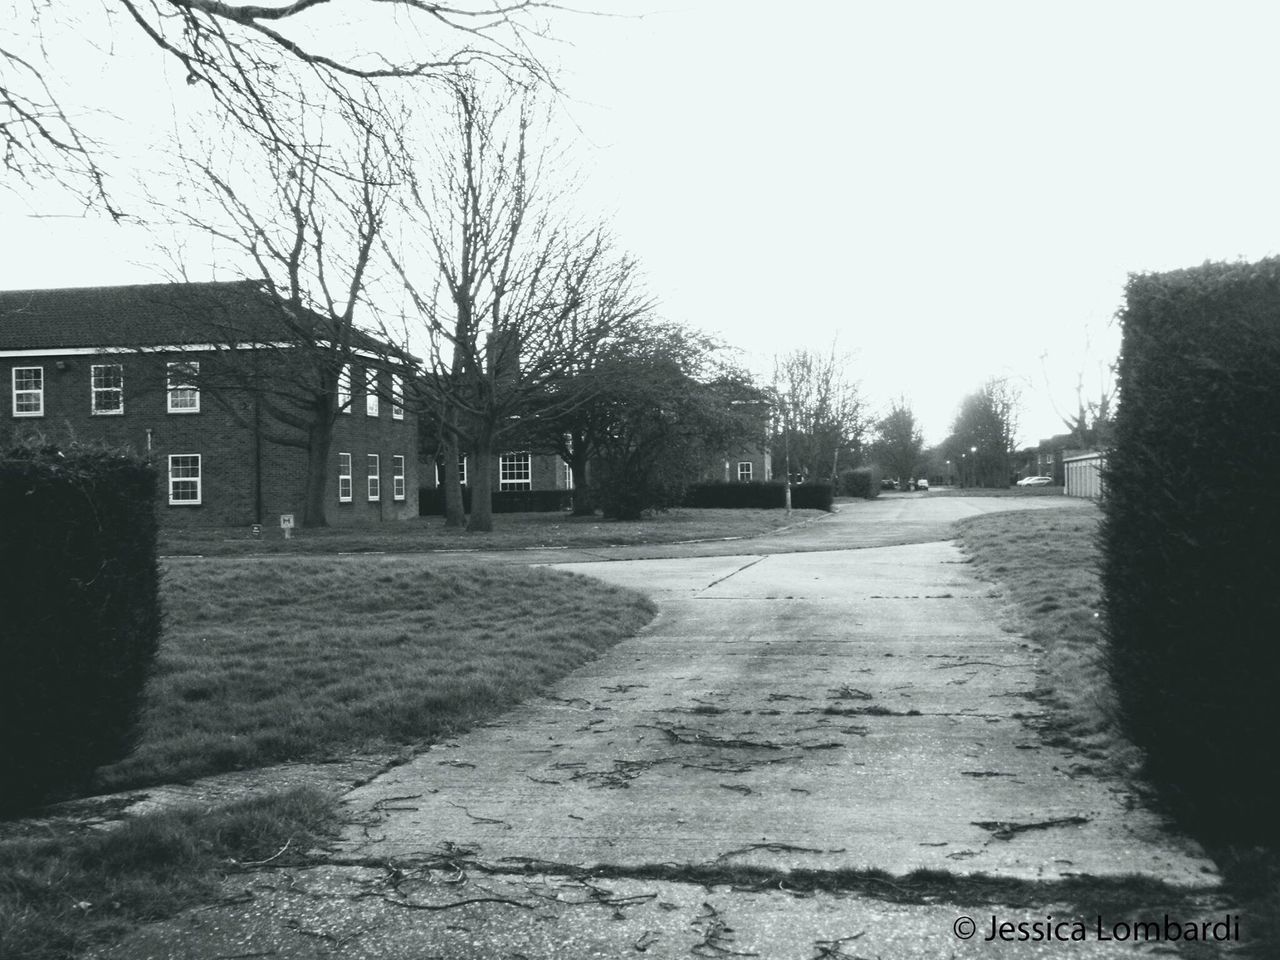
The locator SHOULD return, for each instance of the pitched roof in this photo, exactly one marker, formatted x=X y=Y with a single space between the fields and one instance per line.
x=153 y=314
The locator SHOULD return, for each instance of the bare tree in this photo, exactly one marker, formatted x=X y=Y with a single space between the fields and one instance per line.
x=608 y=335
x=820 y=410
x=252 y=59
x=308 y=238
x=499 y=279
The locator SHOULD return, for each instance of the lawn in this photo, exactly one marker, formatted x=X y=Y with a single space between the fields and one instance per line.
x=283 y=658
x=1050 y=491
x=272 y=659
x=511 y=531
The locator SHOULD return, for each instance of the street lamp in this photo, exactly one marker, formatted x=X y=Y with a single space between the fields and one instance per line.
x=951 y=480
x=973 y=466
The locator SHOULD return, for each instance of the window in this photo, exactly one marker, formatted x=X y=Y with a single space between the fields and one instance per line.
x=568 y=475
x=344 y=389
x=344 y=478
x=184 y=395
x=397 y=477
x=514 y=472
x=184 y=479
x=462 y=472
x=28 y=391
x=744 y=471
x=397 y=397
x=371 y=394
x=106 y=382
x=375 y=487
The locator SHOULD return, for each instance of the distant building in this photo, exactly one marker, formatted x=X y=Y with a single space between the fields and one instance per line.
x=158 y=367
x=1084 y=476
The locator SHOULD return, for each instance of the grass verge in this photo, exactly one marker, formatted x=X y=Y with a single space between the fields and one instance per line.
x=512 y=531
x=1015 y=491
x=290 y=658
x=1047 y=565
x=59 y=896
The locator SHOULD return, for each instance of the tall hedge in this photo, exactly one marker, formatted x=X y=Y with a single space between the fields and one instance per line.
x=1191 y=564
x=81 y=615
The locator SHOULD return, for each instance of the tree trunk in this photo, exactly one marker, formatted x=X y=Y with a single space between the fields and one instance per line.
x=319 y=441
x=481 y=480
x=455 y=514
x=583 y=503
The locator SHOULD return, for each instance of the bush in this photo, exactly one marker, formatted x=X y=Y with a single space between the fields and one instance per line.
x=1190 y=565
x=79 y=591
x=431 y=501
x=626 y=491
x=813 y=496
x=759 y=494
x=860 y=482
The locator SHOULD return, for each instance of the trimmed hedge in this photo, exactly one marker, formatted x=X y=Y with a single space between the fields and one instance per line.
x=81 y=623
x=431 y=501
x=766 y=495
x=1190 y=562
x=861 y=482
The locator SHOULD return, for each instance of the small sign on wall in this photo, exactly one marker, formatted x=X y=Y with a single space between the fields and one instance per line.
x=286 y=524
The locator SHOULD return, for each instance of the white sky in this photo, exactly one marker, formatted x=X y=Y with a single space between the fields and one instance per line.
x=954 y=190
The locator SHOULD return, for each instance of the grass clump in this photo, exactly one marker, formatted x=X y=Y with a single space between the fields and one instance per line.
x=61 y=895
x=266 y=661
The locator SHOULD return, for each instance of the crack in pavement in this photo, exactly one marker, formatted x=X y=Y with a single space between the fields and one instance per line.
x=745 y=566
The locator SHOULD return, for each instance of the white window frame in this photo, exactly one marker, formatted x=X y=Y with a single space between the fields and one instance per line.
x=745 y=476
x=344 y=478
x=397 y=397
x=568 y=475
x=96 y=391
x=344 y=388
x=374 y=477
x=515 y=471
x=182 y=395
x=371 y=393
x=397 y=477
x=198 y=478
x=28 y=393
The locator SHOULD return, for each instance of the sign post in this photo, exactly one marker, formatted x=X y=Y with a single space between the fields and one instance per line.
x=286 y=524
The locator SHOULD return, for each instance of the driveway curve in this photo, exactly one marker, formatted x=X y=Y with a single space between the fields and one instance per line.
x=823 y=746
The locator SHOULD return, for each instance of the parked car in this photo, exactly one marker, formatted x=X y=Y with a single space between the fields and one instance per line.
x=922 y=484
x=1035 y=481
x=887 y=484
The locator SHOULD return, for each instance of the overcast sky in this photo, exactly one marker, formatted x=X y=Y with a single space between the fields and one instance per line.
x=952 y=190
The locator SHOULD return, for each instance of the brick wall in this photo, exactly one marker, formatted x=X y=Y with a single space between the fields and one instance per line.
x=221 y=433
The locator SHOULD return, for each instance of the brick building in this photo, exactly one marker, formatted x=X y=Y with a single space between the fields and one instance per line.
x=199 y=376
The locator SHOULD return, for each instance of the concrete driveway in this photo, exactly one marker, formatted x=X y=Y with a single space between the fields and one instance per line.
x=821 y=747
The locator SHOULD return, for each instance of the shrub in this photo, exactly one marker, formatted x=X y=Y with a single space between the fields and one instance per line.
x=860 y=482
x=79 y=591
x=759 y=494
x=813 y=496
x=1190 y=565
